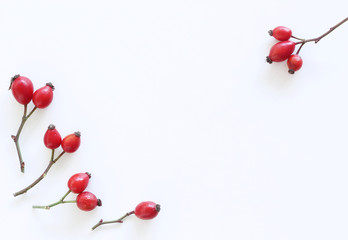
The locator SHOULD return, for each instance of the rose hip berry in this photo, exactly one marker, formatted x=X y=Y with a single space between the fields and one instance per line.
x=78 y=182
x=294 y=63
x=87 y=201
x=52 y=138
x=43 y=96
x=22 y=89
x=144 y=210
x=281 y=33
x=281 y=51
x=71 y=142
x=147 y=210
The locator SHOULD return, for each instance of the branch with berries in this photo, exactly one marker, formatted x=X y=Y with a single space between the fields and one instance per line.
x=284 y=49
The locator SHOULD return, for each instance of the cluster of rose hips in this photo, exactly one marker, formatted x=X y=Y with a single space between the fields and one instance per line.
x=23 y=91
x=283 y=50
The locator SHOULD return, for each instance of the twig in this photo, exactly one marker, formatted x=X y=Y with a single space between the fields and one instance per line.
x=50 y=164
x=101 y=222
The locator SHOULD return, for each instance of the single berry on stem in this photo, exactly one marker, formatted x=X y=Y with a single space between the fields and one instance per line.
x=52 y=138
x=281 y=51
x=22 y=90
x=50 y=164
x=43 y=96
x=87 y=201
x=78 y=182
x=294 y=63
x=281 y=33
x=71 y=142
x=145 y=210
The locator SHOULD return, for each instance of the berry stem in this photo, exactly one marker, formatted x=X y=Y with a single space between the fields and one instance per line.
x=317 y=39
x=297 y=38
x=101 y=222
x=16 y=138
x=50 y=164
x=61 y=201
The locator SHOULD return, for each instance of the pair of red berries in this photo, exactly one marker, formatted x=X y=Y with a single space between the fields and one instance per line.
x=23 y=91
x=284 y=49
x=85 y=201
x=53 y=140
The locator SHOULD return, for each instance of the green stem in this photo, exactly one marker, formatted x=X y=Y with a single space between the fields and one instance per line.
x=52 y=161
x=61 y=201
x=16 y=138
x=101 y=222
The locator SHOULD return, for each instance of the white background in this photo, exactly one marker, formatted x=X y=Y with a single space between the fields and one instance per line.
x=176 y=104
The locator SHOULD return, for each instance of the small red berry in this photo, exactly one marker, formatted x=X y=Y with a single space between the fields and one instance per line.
x=71 y=142
x=87 y=201
x=281 y=51
x=147 y=210
x=22 y=89
x=43 y=96
x=52 y=138
x=294 y=63
x=281 y=33
x=78 y=182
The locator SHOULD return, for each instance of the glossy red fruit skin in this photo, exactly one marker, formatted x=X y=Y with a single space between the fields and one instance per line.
x=147 y=210
x=22 y=89
x=87 y=201
x=52 y=138
x=294 y=63
x=71 y=142
x=281 y=33
x=43 y=96
x=78 y=182
x=281 y=51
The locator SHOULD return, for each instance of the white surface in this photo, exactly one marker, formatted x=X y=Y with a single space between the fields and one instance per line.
x=176 y=104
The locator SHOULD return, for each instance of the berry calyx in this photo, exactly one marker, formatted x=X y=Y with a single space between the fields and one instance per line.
x=294 y=63
x=52 y=138
x=147 y=210
x=78 y=182
x=71 y=142
x=281 y=33
x=281 y=51
x=87 y=201
x=22 y=89
x=43 y=96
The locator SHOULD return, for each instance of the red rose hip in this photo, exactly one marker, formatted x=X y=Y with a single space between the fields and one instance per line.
x=52 y=138
x=281 y=51
x=294 y=63
x=87 y=201
x=43 y=96
x=78 y=182
x=22 y=89
x=71 y=142
x=144 y=210
x=281 y=33
x=147 y=210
